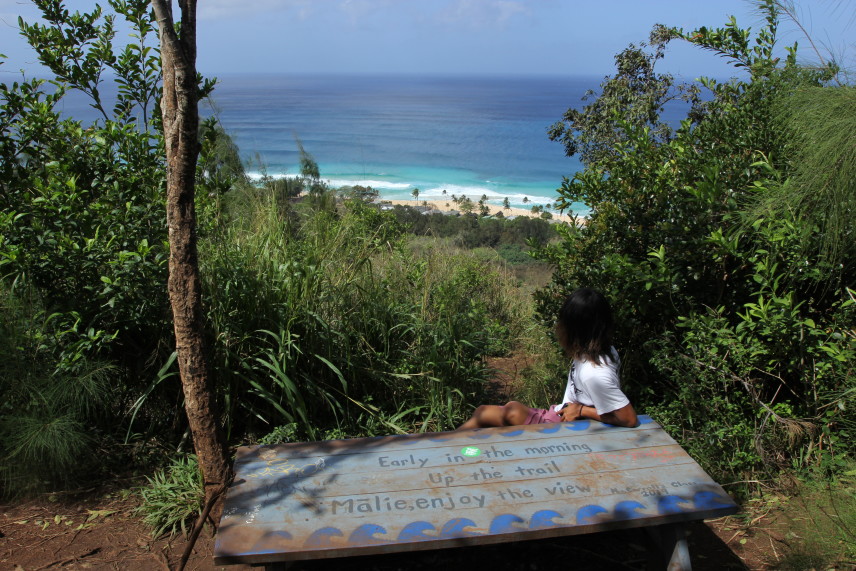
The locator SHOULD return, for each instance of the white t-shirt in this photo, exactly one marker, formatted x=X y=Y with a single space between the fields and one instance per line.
x=596 y=385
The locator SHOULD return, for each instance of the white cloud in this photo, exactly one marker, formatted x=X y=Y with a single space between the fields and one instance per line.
x=223 y=9
x=483 y=13
x=491 y=14
x=361 y=10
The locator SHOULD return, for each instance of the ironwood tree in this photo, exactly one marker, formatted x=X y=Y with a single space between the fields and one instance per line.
x=179 y=108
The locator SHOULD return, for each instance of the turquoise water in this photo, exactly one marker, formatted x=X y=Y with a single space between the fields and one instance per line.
x=467 y=136
x=398 y=182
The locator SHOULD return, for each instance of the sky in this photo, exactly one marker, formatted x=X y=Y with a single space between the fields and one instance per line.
x=457 y=37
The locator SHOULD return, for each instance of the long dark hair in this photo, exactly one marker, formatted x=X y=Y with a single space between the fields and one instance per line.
x=584 y=327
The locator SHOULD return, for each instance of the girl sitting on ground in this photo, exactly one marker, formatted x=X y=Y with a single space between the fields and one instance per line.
x=584 y=330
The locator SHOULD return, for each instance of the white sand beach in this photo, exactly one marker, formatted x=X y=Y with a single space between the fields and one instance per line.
x=448 y=206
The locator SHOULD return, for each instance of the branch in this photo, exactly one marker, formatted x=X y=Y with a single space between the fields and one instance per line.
x=188 y=29
x=194 y=534
x=746 y=384
x=166 y=25
x=788 y=9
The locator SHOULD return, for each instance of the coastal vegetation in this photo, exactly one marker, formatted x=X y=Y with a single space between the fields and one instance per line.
x=724 y=242
x=732 y=279
x=722 y=245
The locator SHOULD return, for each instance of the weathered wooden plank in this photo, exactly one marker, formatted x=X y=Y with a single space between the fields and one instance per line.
x=363 y=496
x=655 y=496
x=318 y=471
x=580 y=430
x=320 y=475
x=267 y=461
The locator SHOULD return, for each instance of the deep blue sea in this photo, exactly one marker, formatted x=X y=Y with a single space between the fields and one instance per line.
x=468 y=136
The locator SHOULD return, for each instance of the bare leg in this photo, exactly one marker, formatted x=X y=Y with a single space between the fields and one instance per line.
x=487 y=415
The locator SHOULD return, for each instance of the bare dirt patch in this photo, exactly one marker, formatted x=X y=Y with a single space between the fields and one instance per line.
x=95 y=531
x=507 y=375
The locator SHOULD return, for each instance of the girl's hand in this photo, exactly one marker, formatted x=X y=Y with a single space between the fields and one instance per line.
x=573 y=411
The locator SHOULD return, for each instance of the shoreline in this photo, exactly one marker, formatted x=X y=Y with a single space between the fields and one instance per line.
x=449 y=206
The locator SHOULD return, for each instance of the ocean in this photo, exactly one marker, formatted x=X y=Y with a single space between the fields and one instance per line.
x=467 y=136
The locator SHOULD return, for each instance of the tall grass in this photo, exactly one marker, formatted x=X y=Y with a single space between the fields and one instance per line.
x=328 y=319
x=172 y=497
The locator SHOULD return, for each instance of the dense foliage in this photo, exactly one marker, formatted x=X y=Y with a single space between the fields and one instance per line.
x=328 y=319
x=322 y=321
x=82 y=240
x=474 y=232
x=736 y=323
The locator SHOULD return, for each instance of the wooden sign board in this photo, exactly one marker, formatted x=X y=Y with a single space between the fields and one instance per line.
x=400 y=493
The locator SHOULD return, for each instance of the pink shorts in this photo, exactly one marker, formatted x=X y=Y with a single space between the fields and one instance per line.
x=543 y=415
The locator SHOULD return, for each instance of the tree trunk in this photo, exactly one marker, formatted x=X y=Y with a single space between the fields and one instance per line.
x=181 y=126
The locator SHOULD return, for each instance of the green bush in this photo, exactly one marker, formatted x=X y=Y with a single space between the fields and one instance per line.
x=735 y=326
x=46 y=412
x=472 y=232
x=82 y=229
x=281 y=434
